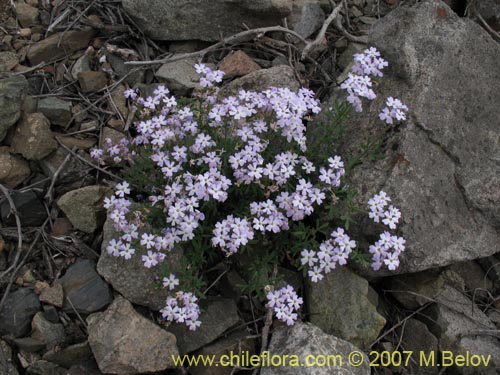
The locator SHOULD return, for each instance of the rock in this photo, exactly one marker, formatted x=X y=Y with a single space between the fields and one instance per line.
x=73 y=170
x=124 y=342
x=490 y=11
x=119 y=101
x=115 y=136
x=92 y=81
x=78 y=143
x=417 y=289
x=416 y=337
x=345 y=60
x=13 y=169
x=61 y=227
x=81 y=65
x=122 y=70
x=29 y=207
x=83 y=207
x=238 y=64
x=53 y=295
x=17 y=312
x=50 y=334
x=307 y=17
x=58 y=111
x=179 y=76
x=8 y=60
x=277 y=76
x=49 y=49
x=447 y=186
x=84 y=288
x=304 y=339
x=213 y=324
x=142 y=289
x=236 y=344
x=26 y=14
x=33 y=138
x=7 y=366
x=340 y=306
x=457 y=325
x=12 y=92
x=477 y=283
x=45 y=368
x=29 y=344
x=70 y=356
x=202 y=20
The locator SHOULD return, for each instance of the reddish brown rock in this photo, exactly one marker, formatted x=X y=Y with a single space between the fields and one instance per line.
x=50 y=49
x=238 y=64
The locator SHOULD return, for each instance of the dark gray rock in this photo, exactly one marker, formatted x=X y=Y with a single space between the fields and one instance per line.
x=125 y=342
x=416 y=289
x=340 y=305
x=442 y=167
x=45 y=368
x=50 y=334
x=12 y=92
x=458 y=325
x=70 y=356
x=29 y=207
x=17 y=312
x=7 y=366
x=58 y=111
x=305 y=339
x=416 y=337
x=213 y=324
x=84 y=288
x=202 y=20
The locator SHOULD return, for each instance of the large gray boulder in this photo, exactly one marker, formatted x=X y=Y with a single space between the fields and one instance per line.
x=442 y=166
x=204 y=20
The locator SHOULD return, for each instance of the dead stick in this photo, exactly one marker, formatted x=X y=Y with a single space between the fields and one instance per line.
x=322 y=32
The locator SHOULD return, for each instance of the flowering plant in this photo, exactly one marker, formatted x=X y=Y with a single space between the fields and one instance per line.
x=223 y=174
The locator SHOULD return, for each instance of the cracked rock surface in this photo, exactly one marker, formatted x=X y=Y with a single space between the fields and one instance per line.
x=443 y=164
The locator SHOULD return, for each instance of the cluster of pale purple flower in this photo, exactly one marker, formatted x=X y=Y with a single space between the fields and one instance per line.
x=285 y=303
x=359 y=85
x=183 y=308
x=389 y=247
x=335 y=250
x=188 y=149
x=394 y=109
x=251 y=117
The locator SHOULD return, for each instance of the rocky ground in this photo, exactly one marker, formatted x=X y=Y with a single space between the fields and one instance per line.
x=68 y=308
